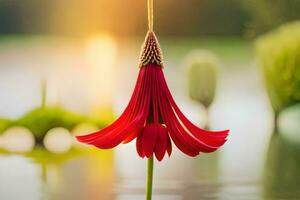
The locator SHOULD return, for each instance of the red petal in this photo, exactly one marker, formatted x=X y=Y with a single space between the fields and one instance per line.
x=214 y=138
x=122 y=119
x=166 y=112
x=181 y=135
x=162 y=143
x=139 y=145
x=169 y=146
x=142 y=109
x=115 y=138
x=129 y=123
x=149 y=139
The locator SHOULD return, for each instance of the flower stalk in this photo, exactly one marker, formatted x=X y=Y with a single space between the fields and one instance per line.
x=150 y=15
x=150 y=160
x=43 y=93
x=149 y=179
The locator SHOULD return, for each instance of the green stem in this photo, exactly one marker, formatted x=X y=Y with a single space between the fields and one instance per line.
x=43 y=93
x=149 y=178
x=206 y=126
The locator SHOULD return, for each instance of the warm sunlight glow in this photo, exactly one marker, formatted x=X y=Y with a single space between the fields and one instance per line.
x=101 y=53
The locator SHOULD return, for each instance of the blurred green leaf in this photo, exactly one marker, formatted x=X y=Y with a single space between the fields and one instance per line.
x=279 y=54
x=41 y=120
x=4 y=124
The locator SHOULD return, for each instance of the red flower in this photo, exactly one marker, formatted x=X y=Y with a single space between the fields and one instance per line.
x=153 y=118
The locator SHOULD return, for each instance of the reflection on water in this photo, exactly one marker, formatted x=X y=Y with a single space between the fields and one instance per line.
x=282 y=171
x=19 y=178
x=121 y=176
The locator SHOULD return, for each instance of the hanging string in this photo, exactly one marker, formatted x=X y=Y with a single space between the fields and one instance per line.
x=150 y=15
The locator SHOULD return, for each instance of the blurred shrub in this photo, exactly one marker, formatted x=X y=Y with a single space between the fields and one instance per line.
x=279 y=54
x=41 y=120
x=202 y=76
x=267 y=14
x=4 y=124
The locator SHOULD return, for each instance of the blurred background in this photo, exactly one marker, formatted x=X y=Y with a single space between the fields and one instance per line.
x=69 y=67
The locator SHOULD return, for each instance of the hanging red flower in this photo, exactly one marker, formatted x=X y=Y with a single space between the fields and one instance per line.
x=153 y=118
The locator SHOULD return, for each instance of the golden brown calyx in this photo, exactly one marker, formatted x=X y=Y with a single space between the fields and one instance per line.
x=151 y=52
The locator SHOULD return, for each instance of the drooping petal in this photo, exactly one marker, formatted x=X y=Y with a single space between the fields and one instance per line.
x=139 y=145
x=121 y=120
x=182 y=133
x=169 y=146
x=186 y=141
x=162 y=143
x=130 y=123
x=213 y=138
x=150 y=133
x=110 y=141
x=167 y=117
x=185 y=144
x=142 y=104
x=153 y=139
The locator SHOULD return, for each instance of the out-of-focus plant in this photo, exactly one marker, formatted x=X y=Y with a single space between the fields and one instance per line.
x=202 y=76
x=4 y=124
x=41 y=120
x=279 y=54
x=47 y=128
x=51 y=128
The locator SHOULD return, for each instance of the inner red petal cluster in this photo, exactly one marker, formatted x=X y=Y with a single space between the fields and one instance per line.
x=154 y=139
x=153 y=117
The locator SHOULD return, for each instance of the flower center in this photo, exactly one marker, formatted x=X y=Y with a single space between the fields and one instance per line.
x=151 y=52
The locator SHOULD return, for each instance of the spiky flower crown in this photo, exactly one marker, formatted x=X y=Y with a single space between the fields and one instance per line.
x=151 y=52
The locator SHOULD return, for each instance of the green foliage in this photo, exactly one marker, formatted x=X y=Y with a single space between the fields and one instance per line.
x=41 y=120
x=279 y=54
x=4 y=124
x=202 y=77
